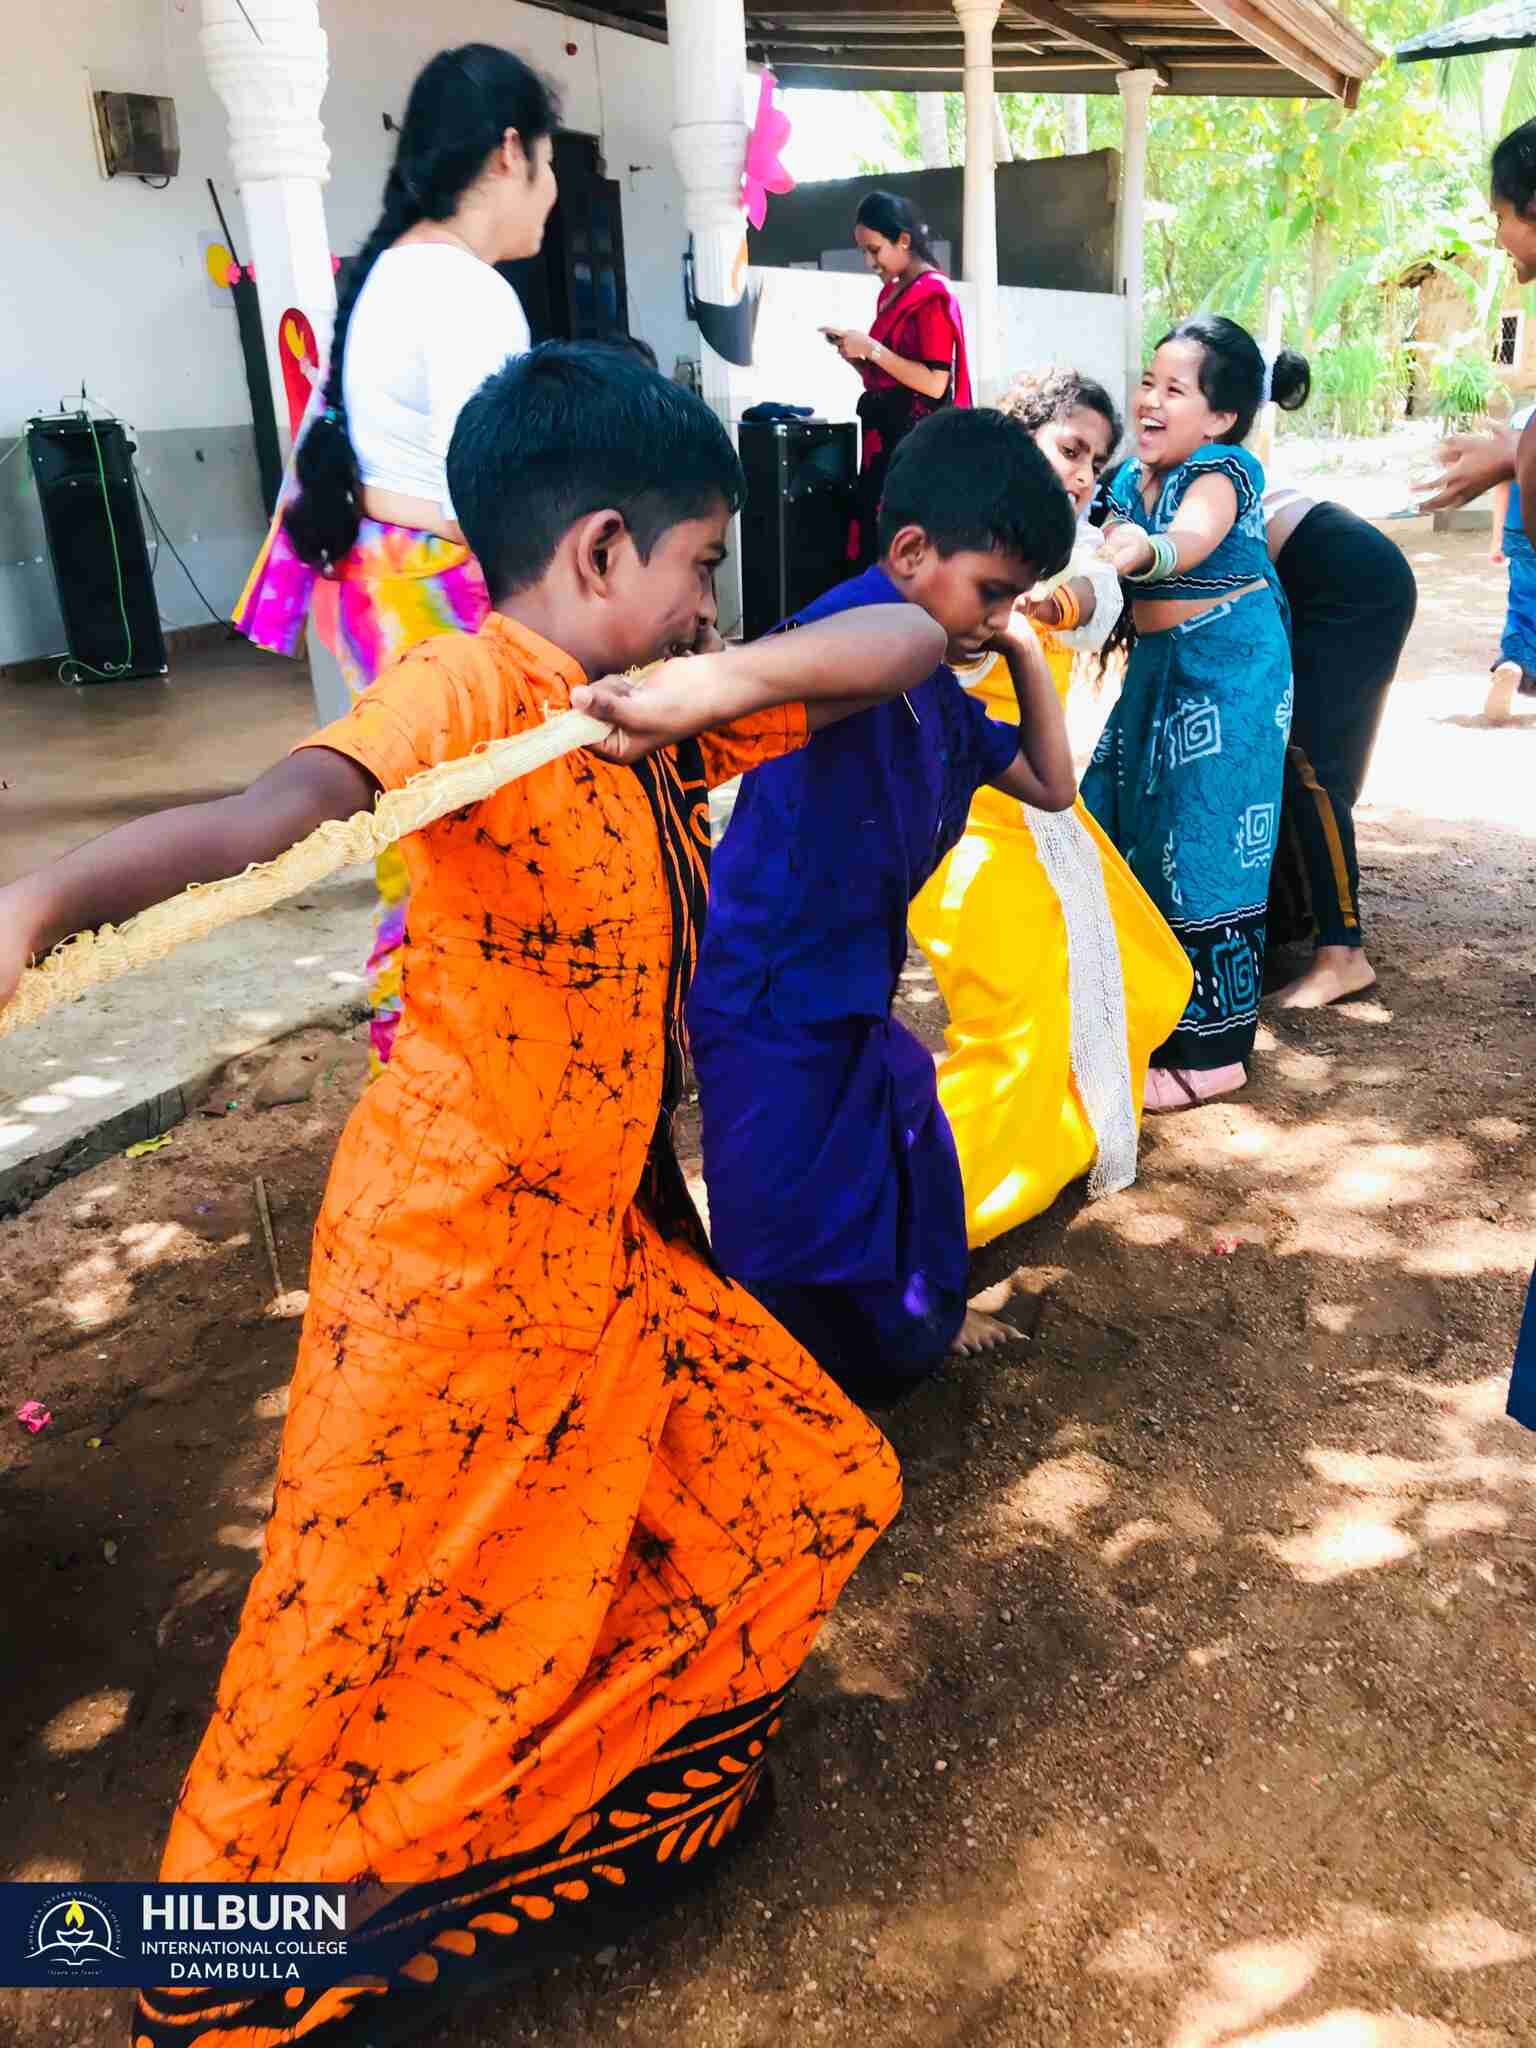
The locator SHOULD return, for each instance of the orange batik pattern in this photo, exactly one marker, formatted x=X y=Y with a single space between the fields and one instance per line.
x=559 y=1510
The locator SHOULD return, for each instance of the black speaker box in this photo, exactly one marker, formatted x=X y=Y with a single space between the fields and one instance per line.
x=90 y=501
x=794 y=525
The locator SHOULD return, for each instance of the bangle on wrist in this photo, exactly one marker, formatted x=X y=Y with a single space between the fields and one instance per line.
x=1164 y=562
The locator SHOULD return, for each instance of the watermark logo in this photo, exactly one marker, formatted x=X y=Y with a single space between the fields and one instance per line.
x=76 y=1933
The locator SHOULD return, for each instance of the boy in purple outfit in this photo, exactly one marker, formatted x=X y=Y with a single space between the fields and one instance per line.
x=834 y=1188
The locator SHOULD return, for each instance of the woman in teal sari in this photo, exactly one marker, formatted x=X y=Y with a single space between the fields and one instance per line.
x=1188 y=774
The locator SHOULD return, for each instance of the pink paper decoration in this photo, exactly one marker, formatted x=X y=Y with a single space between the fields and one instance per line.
x=764 y=173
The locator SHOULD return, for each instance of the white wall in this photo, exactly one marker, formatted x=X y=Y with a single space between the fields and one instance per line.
x=104 y=281
x=1063 y=331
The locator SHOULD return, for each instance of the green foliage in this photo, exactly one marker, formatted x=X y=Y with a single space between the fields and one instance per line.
x=1323 y=204
x=1355 y=388
x=1462 y=380
x=1328 y=207
x=900 y=112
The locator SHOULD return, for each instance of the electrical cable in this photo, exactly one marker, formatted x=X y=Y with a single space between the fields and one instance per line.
x=218 y=618
x=158 y=527
x=72 y=667
x=111 y=671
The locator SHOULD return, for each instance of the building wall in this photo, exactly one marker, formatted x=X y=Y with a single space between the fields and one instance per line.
x=104 y=283
x=1055 y=219
x=1444 y=315
x=1519 y=376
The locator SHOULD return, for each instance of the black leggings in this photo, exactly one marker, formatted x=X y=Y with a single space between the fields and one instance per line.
x=1352 y=598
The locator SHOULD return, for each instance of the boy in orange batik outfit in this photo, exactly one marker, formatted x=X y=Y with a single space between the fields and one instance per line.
x=559 y=1509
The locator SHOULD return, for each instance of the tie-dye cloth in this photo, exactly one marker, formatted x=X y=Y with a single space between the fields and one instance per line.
x=398 y=587
x=559 y=1512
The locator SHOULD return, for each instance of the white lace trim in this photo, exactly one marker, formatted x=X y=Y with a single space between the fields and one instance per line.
x=1101 y=1063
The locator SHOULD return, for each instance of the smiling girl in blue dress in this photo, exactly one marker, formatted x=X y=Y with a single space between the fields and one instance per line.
x=1188 y=774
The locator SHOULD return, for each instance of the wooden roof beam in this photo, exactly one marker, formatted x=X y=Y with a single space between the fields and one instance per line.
x=1256 y=26
x=924 y=49
x=1102 y=41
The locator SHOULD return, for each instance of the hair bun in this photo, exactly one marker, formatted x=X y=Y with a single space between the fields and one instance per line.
x=1290 y=382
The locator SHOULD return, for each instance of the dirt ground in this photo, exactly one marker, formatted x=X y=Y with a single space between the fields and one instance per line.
x=1192 y=1701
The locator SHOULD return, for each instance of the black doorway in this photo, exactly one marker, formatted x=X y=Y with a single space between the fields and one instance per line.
x=575 y=288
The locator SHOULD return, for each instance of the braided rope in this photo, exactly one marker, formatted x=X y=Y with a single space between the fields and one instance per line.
x=91 y=958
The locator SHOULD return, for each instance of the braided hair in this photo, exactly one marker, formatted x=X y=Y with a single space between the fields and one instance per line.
x=458 y=114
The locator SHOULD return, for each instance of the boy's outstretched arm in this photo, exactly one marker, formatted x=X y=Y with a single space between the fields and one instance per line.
x=1041 y=771
x=136 y=865
x=833 y=667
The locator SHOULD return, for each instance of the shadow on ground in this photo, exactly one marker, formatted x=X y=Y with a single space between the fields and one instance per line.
x=1189 y=1705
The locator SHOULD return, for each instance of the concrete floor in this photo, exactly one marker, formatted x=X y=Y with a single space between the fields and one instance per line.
x=126 y=1062
x=76 y=760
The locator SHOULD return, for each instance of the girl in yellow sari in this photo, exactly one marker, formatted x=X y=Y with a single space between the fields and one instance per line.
x=1060 y=975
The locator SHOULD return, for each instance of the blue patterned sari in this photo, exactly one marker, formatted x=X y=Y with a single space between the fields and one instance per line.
x=1188 y=773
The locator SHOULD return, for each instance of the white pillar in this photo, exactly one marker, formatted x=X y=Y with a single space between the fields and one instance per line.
x=267 y=60
x=1136 y=89
x=1074 y=124
x=267 y=63
x=977 y=19
x=932 y=130
x=708 y=40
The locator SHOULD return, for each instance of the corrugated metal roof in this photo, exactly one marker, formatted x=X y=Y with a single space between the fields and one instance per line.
x=1509 y=25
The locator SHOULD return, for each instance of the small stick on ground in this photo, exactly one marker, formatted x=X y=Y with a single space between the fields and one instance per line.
x=265 y=1212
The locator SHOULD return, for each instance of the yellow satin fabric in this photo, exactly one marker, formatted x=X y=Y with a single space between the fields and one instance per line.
x=993 y=930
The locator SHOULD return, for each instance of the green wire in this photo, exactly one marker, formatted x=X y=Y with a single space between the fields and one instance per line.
x=113 y=669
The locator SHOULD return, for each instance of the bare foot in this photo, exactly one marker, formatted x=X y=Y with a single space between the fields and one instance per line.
x=1170 y=1088
x=1336 y=972
x=980 y=1333
x=1501 y=693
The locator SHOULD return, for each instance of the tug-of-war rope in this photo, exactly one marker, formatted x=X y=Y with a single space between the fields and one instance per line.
x=91 y=958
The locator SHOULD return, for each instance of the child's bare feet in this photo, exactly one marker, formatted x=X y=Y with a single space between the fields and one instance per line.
x=1501 y=693
x=1336 y=972
x=981 y=1332
x=1170 y=1088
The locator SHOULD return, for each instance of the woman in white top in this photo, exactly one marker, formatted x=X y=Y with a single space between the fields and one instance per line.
x=366 y=535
